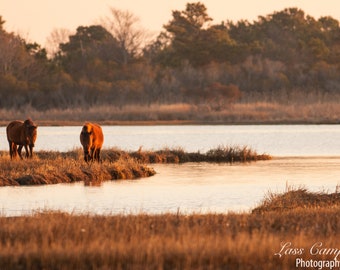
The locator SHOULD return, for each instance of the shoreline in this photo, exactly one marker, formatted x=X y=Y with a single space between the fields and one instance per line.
x=174 y=123
x=53 y=167
x=241 y=113
x=185 y=123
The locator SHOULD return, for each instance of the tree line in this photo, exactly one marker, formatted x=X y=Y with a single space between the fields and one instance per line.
x=285 y=56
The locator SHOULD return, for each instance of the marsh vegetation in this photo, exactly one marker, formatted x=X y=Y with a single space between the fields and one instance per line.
x=55 y=240
x=52 y=167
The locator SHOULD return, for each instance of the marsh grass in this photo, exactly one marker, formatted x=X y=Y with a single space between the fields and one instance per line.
x=54 y=240
x=49 y=167
x=305 y=111
x=298 y=198
x=221 y=154
x=52 y=167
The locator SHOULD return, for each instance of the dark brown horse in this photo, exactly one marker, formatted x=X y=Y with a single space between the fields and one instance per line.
x=21 y=134
x=91 y=138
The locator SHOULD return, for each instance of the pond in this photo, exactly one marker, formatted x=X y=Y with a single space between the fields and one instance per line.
x=306 y=156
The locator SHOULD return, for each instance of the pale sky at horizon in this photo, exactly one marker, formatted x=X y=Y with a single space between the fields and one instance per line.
x=34 y=20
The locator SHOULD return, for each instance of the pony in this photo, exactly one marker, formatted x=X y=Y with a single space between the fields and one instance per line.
x=21 y=134
x=91 y=138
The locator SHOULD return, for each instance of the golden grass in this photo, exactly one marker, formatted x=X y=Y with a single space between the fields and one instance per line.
x=298 y=198
x=53 y=240
x=49 y=167
x=52 y=167
x=272 y=112
x=221 y=154
x=303 y=110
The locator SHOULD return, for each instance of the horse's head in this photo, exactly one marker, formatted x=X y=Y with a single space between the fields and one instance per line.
x=86 y=140
x=30 y=132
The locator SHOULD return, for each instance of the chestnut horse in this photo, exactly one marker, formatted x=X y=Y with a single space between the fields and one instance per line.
x=91 y=138
x=22 y=134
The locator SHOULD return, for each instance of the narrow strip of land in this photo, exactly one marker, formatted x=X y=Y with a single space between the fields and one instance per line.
x=52 y=167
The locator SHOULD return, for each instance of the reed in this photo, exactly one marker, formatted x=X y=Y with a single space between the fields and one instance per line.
x=53 y=167
x=50 y=167
x=54 y=240
x=297 y=198
x=250 y=112
x=221 y=154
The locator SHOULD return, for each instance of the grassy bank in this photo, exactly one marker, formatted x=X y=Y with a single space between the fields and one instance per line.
x=300 y=198
x=53 y=240
x=221 y=154
x=52 y=167
x=311 y=112
x=55 y=167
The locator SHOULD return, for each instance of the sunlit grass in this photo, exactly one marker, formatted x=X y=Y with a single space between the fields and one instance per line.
x=55 y=240
x=250 y=112
x=221 y=154
x=48 y=167
x=52 y=167
x=296 y=199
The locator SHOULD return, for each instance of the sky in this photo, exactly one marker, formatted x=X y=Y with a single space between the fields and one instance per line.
x=34 y=20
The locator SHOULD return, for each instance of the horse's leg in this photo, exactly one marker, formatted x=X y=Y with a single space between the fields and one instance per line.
x=19 y=151
x=97 y=156
x=92 y=152
x=12 y=149
x=15 y=150
x=27 y=151
x=31 y=151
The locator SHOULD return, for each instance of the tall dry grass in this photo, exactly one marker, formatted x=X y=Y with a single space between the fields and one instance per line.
x=53 y=240
x=220 y=154
x=298 y=198
x=48 y=167
x=52 y=167
x=252 y=112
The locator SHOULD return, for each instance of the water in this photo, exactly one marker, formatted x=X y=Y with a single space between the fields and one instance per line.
x=277 y=140
x=304 y=156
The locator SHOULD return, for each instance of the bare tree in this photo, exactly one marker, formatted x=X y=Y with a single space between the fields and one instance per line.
x=57 y=36
x=11 y=53
x=125 y=28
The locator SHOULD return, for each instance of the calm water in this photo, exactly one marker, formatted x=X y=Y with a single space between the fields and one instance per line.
x=314 y=162
x=278 y=140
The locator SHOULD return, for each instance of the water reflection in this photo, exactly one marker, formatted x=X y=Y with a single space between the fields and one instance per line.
x=190 y=187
